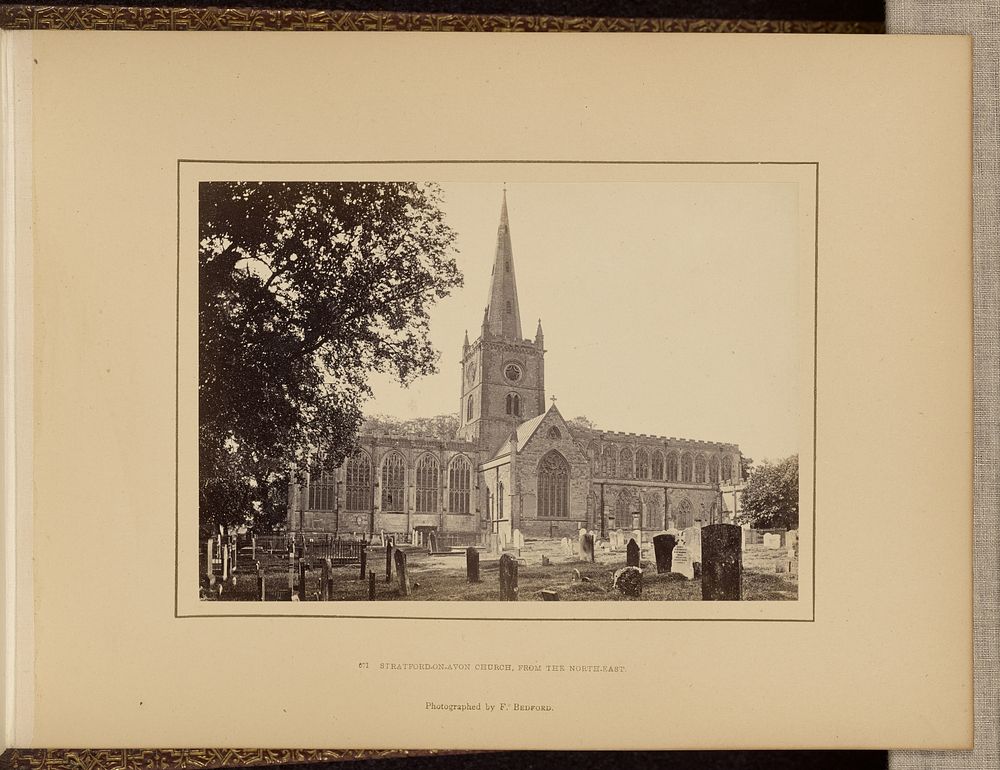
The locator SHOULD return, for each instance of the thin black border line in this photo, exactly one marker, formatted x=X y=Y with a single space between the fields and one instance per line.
x=815 y=165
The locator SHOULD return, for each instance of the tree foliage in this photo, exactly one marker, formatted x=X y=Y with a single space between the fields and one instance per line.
x=443 y=426
x=305 y=290
x=770 y=497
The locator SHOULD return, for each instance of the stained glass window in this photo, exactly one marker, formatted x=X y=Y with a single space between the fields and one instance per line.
x=359 y=482
x=427 y=484
x=553 y=486
x=393 y=483
x=459 y=478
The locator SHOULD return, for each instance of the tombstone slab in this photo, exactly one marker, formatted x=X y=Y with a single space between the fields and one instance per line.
x=632 y=553
x=681 y=562
x=663 y=549
x=472 y=565
x=722 y=565
x=692 y=539
x=549 y=596
x=401 y=573
x=772 y=540
x=586 y=547
x=508 y=578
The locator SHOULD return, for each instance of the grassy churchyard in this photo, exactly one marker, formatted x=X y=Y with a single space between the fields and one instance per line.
x=543 y=566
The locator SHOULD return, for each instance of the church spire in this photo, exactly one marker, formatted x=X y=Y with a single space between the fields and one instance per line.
x=503 y=316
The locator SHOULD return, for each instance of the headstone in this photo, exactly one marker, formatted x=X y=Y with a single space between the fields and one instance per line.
x=472 y=565
x=388 y=561
x=628 y=580
x=253 y=547
x=364 y=562
x=567 y=549
x=261 y=584
x=371 y=586
x=792 y=542
x=637 y=536
x=324 y=589
x=432 y=542
x=209 y=555
x=692 y=539
x=302 y=580
x=508 y=578
x=722 y=563
x=681 y=563
x=576 y=576
x=545 y=561
x=518 y=539
x=632 y=553
x=772 y=540
x=663 y=548
x=225 y=561
x=549 y=596
x=401 y=573
x=586 y=546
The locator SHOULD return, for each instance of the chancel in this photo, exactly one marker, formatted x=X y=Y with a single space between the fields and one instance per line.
x=516 y=464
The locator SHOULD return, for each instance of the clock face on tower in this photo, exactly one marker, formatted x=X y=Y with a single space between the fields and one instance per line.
x=512 y=372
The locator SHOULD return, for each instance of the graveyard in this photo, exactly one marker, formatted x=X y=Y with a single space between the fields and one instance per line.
x=541 y=570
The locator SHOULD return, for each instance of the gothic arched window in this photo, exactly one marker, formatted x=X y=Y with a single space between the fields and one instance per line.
x=459 y=482
x=427 y=484
x=625 y=463
x=713 y=470
x=393 y=483
x=699 y=469
x=514 y=404
x=672 y=467
x=610 y=463
x=641 y=464
x=658 y=465
x=359 y=482
x=685 y=514
x=727 y=468
x=323 y=490
x=623 y=512
x=468 y=409
x=686 y=474
x=553 y=486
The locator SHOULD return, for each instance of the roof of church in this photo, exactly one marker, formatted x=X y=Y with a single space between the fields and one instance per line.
x=524 y=432
x=499 y=321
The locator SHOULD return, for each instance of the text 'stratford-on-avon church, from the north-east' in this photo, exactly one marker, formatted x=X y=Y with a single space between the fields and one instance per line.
x=516 y=464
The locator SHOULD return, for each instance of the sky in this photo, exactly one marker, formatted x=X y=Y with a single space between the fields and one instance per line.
x=669 y=308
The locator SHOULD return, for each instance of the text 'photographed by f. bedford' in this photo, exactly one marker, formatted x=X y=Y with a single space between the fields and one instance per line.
x=357 y=442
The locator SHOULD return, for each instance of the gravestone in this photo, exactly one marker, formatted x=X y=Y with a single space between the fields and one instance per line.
x=432 y=542
x=637 y=536
x=722 y=563
x=364 y=562
x=472 y=565
x=681 y=563
x=209 y=571
x=508 y=578
x=566 y=547
x=302 y=580
x=632 y=553
x=549 y=596
x=401 y=573
x=518 y=539
x=772 y=540
x=388 y=561
x=663 y=548
x=371 y=586
x=792 y=542
x=628 y=580
x=324 y=586
x=261 y=584
x=692 y=539
x=586 y=546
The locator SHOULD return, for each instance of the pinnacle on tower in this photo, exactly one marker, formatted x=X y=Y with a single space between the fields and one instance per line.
x=503 y=315
x=539 y=336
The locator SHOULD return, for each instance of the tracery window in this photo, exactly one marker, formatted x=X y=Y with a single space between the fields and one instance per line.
x=685 y=514
x=393 y=483
x=459 y=482
x=641 y=464
x=323 y=490
x=468 y=409
x=623 y=512
x=359 y=482
x=727 y=468
x=672 y=467
x=610 y=461
x=625 y=463
x=699 y=469
x=713 y=470
x=686 y=472
x=658 y=465
x=553 y=486
x=428 y=478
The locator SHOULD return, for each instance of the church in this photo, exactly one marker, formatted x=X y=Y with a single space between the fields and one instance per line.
x=516 y=464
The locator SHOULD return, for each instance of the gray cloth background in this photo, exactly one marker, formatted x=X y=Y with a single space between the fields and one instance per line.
x=980 y=18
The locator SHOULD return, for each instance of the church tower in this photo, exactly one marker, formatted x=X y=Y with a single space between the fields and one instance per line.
x=503 y=374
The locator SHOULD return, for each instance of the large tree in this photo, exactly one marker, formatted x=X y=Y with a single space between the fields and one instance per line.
x=305 y=290
x=770 y=498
